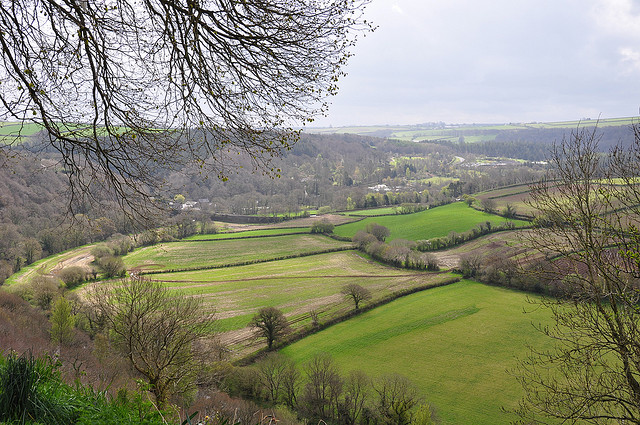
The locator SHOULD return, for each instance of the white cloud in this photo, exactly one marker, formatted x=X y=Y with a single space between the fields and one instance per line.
x=630 y=57
x=471 y=61
x=397 y=9
x=618 y=17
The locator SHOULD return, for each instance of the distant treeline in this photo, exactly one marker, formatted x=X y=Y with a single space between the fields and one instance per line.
x=534 y=144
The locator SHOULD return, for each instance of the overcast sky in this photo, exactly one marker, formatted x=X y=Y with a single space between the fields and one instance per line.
x=492 y=61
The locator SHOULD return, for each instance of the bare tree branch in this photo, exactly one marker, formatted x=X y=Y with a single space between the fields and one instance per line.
x=125 y=90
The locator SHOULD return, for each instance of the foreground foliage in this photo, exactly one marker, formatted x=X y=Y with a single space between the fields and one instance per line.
x=32 y=391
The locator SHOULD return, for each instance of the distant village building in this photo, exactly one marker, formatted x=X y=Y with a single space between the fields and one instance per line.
x=380 y=188
x=190 y=205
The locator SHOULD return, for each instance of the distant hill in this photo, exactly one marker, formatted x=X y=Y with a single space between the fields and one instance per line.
x=472 y=133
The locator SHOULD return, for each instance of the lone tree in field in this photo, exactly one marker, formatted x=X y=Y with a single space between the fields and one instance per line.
x=124 y=88
x=356 y=293
x=270 y=324
x=156 y=330
x=590 y=207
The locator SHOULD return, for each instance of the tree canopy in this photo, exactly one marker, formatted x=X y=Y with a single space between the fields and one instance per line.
x=125 y=89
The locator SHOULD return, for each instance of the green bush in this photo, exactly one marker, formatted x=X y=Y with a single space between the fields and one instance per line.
x=72 y=276
x=322 y=226
x=112 y=266
x=100 y=251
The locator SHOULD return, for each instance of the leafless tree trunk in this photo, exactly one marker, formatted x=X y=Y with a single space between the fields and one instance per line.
x=155 y=329
x=588 y=223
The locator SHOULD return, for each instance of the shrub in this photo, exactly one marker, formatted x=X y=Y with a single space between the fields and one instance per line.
x=430 y=262
x=322 y=226
x=470 y=265
x=380 y=232
x=62 y=322
x=31 y=390
x=362 y=239
x=100 y=251
x=325 y=209
x=72 y=276
x=43 y=291
x=120 y=244
x=112 y=266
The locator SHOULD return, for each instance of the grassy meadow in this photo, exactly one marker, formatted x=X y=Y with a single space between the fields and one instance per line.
x=296 y=286
x=200 y=254
x=372 y=212
x=455 y=343
x=433 y=223
x=248 y=234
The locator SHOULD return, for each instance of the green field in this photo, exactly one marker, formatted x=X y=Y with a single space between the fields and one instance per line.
x=455 y=343
x=8 y=128
x=433 y=223
x=372 y=212
x=198 y=254
x=49 y=265
x=248 y=234
x=296 y=286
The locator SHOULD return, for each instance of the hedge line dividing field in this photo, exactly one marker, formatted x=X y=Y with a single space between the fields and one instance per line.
x=246 y=263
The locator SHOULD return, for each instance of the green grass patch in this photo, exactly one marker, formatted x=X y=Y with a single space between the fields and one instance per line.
x=249 y=234
x=455 y=343
x=296 y=285
x=439 y=181
x=433 y=223
x=371 y=212
x=9 y=128
x=200 y=254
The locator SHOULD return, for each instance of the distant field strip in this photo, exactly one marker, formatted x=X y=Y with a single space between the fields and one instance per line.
x=454 y=342
x=203 y=254
x=433 y=223
x=374 y=212
x=249 y=234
